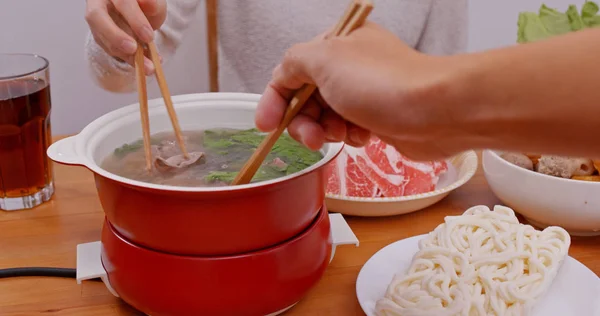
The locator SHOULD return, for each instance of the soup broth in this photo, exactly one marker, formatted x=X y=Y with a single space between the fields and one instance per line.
x=222 y=153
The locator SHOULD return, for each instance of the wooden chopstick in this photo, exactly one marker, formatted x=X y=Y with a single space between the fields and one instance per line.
x=140 y=75
x=358 y=19
x=143 y=99
x=354 y=16
x=164 y=90
x=212 y=35
x=350 y=12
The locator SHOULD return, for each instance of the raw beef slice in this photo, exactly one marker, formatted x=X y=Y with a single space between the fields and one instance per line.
x=346 y=179
x=380 y=170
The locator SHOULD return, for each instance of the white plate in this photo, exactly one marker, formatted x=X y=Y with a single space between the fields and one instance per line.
x=461 y=169
x=574 y=292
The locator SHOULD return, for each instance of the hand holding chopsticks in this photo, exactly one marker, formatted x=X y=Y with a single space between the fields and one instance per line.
x=354 y=16
x=143 y=99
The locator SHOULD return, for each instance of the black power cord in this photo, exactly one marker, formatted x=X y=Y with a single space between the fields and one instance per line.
x=39 y=272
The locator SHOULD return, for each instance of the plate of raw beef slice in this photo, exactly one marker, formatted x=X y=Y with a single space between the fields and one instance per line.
x=377 y=180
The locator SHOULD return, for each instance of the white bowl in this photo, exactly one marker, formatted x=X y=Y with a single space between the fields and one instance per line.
x=461 y=169
x=545 y=200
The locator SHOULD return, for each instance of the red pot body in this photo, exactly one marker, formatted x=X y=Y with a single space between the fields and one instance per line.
x=213 y=223
x=257 y=283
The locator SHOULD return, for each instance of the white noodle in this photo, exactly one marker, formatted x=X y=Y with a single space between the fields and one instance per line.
x=480 y=263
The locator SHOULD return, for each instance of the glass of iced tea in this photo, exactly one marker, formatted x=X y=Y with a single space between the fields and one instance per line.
x=26 y=176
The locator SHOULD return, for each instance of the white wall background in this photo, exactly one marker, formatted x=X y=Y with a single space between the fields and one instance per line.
x=493 y=23
x=56 y=29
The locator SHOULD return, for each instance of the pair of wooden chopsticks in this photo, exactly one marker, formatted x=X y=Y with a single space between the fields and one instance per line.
x=143 y=99
x=355 y=16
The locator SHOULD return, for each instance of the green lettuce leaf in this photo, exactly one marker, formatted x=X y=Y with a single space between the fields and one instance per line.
x=589 y=14
x=531 y=28
x=574 y=18
x=551 y=22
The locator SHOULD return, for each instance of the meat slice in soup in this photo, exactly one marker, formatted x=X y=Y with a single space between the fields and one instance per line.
x=167 y=155
x=216 y=156
x=178 y=161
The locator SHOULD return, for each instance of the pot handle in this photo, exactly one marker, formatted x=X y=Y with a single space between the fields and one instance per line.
x=63 y=151
x=341 y=233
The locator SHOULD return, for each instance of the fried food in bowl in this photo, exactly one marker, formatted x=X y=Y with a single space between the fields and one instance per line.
x=571 y=201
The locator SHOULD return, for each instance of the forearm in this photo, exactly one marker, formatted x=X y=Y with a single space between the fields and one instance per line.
x=538 y=97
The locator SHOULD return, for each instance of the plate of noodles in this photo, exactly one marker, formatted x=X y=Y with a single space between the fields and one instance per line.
x=483 y=262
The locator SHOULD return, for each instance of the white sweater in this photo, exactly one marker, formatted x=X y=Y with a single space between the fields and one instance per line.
x=254 y=34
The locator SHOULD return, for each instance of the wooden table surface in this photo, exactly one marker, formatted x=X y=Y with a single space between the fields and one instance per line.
x=48 y=235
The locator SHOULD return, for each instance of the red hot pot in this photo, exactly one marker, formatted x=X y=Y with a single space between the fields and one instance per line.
x=255 y=284
x=195 y=220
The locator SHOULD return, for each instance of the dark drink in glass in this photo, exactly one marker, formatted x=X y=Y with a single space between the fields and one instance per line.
x=26 y=176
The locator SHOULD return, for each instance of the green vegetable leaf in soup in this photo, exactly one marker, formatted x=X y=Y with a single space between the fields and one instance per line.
x=131 y=147
x=224 y=176
x=216 y=140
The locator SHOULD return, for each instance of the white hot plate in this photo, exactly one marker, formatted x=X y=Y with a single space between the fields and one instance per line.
x=574 y=292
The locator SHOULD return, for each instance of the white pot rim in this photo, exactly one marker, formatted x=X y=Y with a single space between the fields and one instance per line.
x=76 y=150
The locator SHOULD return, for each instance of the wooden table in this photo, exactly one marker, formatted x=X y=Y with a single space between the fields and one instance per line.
x=48 y=235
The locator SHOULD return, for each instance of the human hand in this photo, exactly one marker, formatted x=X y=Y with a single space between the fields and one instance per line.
x=116 y=24
x=368 y=82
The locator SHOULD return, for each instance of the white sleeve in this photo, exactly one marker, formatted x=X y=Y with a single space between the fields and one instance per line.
x=117 y=76
x=446 y=32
